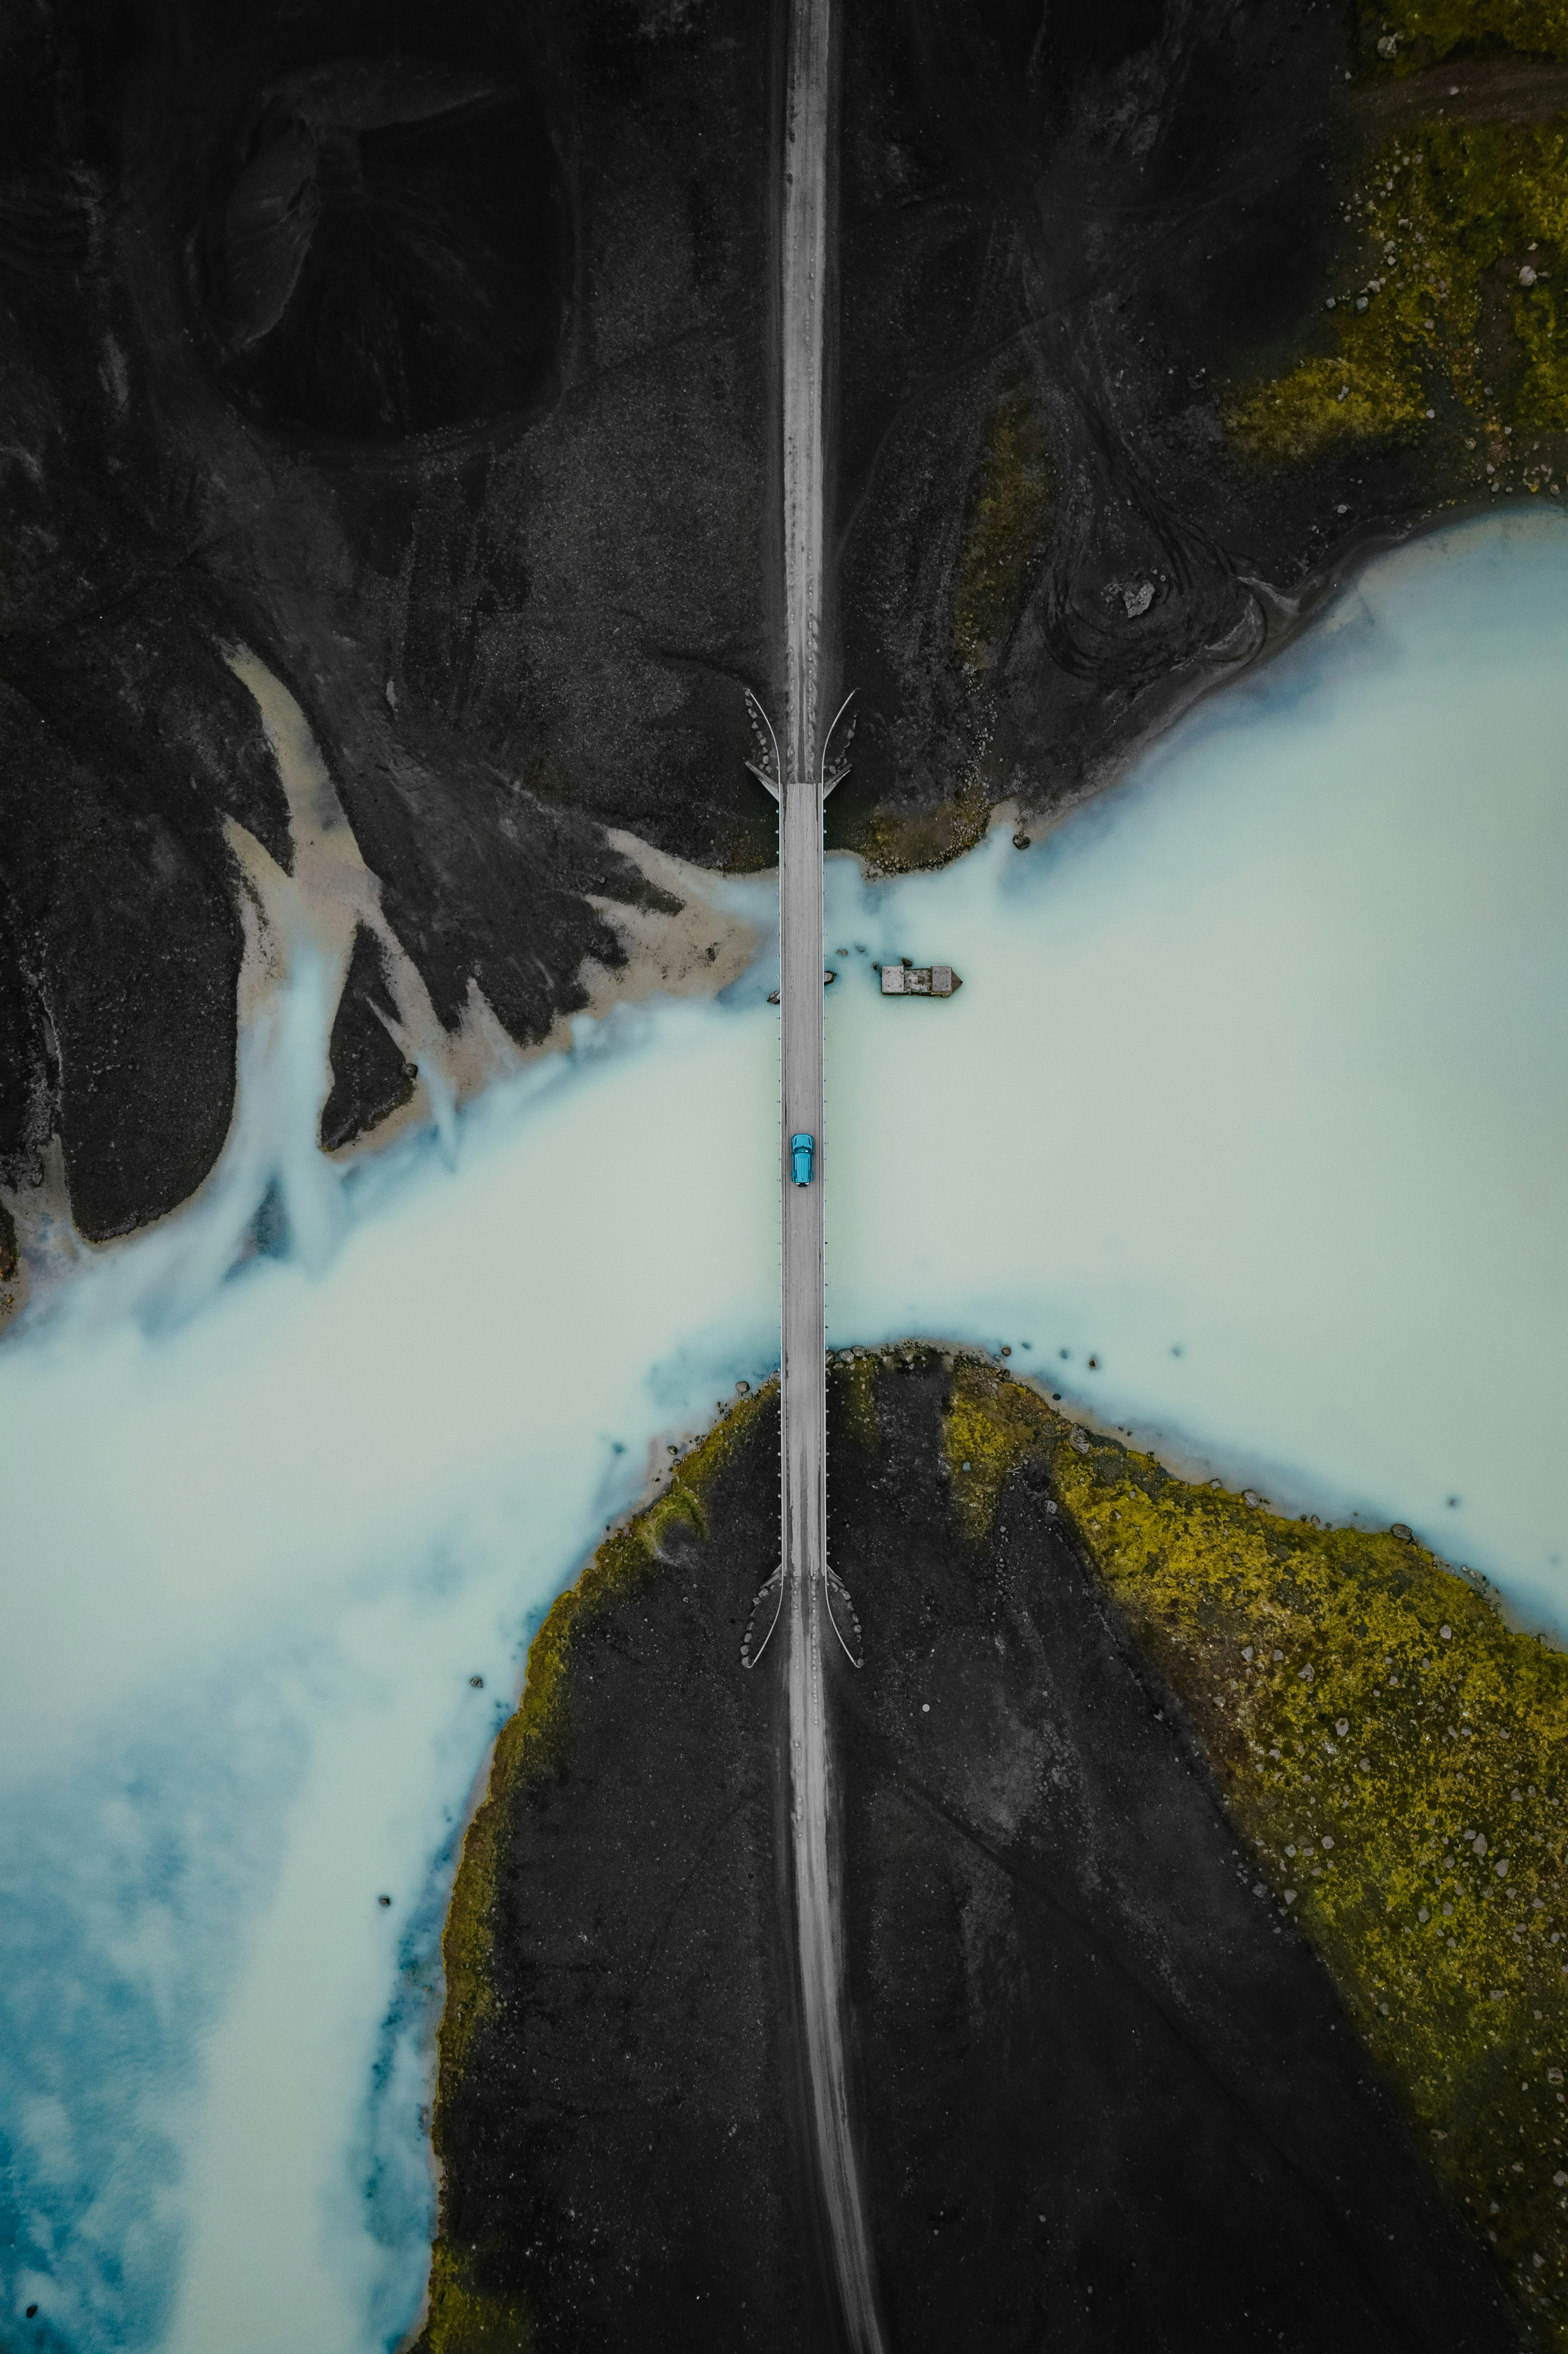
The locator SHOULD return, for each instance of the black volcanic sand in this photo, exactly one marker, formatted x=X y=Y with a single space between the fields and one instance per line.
x=370 y=1076
x=1104 y=208
x=424 y=352
x=617 y=2148
x=1107 y=2098
x=427 y=353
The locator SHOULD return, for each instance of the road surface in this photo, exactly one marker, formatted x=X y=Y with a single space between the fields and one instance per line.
x=807 y=1627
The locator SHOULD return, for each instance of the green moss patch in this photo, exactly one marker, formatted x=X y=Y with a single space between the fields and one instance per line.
x=1005 y=522
x=861 y=1422
x=1445 y=321
x=892 y=844
x=1407 y=36
x=461 y=2319
x=990 y=1428
x=1393 y=1756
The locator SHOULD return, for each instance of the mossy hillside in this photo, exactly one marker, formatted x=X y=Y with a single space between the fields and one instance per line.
x=1005 y=520
x=1397 y=37
x=890 y=844
x=462 y=2319
x=532 y=1746
x=990 y=1426
x=861 y=1422
x=1363 y=1707
x=1436 y=337
x=1007 y=515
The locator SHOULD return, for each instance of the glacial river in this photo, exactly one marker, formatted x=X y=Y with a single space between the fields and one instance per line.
x=1255 y=1094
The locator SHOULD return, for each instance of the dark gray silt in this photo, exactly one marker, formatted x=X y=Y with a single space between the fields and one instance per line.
x=1107 y=2099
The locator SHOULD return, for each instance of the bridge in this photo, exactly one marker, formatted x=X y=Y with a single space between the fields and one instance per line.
x=809 y=1607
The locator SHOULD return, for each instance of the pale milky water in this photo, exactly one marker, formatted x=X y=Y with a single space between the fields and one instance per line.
x=1263 y=1059
x=253 y=1558
x=1260 y=1058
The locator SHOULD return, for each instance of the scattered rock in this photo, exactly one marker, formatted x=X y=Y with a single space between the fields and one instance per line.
x=1399 y=1530
x=1020 y=840
x=478 y=1682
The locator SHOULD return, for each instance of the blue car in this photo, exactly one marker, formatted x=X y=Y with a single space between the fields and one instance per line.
x=801 y=1150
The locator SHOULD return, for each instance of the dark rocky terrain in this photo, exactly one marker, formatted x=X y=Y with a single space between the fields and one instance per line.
x=428 y=355
x=425 y=357
x=1108 y=2097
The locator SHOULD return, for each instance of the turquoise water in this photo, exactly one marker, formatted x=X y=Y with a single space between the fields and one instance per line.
x=1259 y=1059
x=259 y=1533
